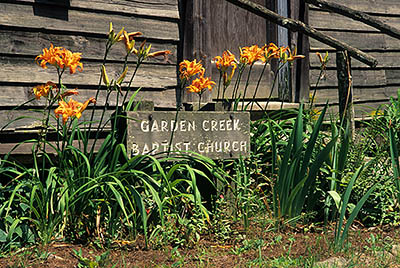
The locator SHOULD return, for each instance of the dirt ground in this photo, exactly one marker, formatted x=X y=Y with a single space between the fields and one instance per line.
x=282 y=248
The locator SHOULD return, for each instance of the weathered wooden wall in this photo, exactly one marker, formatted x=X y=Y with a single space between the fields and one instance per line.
x=372 y=87
x=214 y=26
x=28 y=26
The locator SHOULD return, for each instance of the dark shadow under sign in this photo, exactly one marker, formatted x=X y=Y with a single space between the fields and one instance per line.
x=55 y=9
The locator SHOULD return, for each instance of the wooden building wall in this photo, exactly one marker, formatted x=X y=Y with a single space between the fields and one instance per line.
x=372 y=86
x=213 y=26
x=28 y=26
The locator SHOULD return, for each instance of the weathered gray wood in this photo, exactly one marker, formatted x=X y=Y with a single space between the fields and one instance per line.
x=197 y=41
x=28 y=120
x=148 y=75
x=12 y=96
x=234 y=27
x=86 y=22
x=215 y=21
x=357 y=15
x=363 y=77
x=301 y=79
x=392 y=76
x=345 y=90
x=321 y=20
x=376 y=41
x=26 y=148
x=294 y=25
x=23 y=43
x=360 y=94
x=373 y=6
x=386 y=59
x=159 y=8
x=264 y=88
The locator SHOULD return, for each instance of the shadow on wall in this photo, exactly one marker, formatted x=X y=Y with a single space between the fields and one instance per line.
x=55 y=9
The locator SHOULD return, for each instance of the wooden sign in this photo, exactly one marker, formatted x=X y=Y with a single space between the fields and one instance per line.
x=218 y=135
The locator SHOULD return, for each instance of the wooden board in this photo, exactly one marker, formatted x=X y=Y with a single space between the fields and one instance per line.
x=159 y=8
x=363 y=77
x=86 y=22
x=23 y=43
x=323 y=20
x=393 y=76
x=372 y=6
x=248 y=29
x=386 y=59
x=12 y=96
x=26 y=148
x=27 y=120
x=376 y=41
x=360 y=94
x=15 y=70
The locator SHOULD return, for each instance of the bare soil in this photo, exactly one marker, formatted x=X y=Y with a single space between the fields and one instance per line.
x=289 y=243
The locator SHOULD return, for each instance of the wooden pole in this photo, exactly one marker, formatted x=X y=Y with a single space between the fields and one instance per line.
x=298 y=26
x=345 y=89
x=357 y=15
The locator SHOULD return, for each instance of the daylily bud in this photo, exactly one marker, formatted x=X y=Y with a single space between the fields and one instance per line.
x=105 y=76
x=122 y=77
x=118 y=36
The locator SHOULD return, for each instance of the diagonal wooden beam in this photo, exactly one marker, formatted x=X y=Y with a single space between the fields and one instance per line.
x=298 y=26
x=357 y=15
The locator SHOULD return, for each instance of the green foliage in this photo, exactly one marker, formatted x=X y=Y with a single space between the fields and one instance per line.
x=99 y=261
x=342 y=204
x=297 y=169
x=88 y=190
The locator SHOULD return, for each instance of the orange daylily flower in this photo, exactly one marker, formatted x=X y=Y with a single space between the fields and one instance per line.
x=190 y=68
x=67 y=110
x=71 y=60
x=129 y=36
x=249 y=55
x=69 y=93
x=129 y=40
x=71 y=108
x=294 y=56
x=60 y=57
x=83 y=106
x=50 y=56
x=43 y=90
x=200 y=84
x=163 y=53
x=223 y=63
x=273 y=51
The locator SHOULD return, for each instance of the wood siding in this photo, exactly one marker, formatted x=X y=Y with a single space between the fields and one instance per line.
x=372 y=86
x=28 y=26
x=213 y=26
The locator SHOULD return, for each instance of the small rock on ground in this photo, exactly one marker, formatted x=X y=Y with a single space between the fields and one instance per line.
x=334 y=262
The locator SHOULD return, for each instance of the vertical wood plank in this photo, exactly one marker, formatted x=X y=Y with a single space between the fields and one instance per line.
x=301 y=68
x=345 y=89
x=285 y=74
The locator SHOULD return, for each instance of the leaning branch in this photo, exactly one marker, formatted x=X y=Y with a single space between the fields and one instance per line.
x=357 y=15
x=298 y=26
